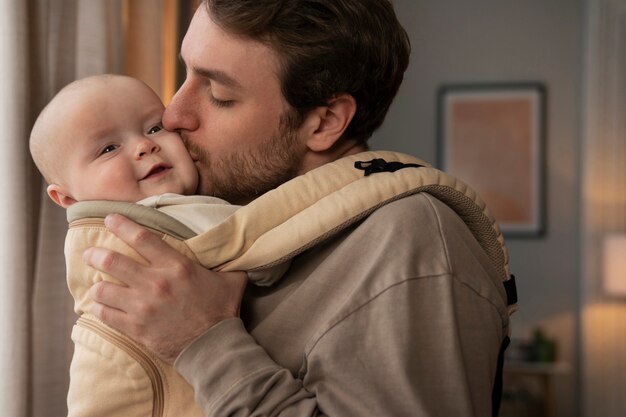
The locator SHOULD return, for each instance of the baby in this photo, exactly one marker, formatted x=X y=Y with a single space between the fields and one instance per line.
x=101 y=138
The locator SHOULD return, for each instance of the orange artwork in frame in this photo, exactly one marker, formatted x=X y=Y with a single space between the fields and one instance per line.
x=492 y=137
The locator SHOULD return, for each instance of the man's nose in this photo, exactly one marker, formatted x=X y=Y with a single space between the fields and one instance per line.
x=145 y=147
x=180 y=114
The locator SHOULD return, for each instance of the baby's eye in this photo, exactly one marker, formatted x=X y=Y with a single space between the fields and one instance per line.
x=154 y=129
x=108 y=148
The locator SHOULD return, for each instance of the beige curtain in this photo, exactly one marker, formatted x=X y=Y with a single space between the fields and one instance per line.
x=45 y=44
x=604 y=207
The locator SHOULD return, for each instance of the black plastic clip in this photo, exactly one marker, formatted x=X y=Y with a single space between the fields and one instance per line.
x=511 y=290
x=380 y=165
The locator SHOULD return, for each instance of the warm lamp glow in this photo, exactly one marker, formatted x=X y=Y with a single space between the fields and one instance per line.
x=614 y=264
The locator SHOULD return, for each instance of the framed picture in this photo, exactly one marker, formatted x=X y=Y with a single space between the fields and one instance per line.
x=491 y=136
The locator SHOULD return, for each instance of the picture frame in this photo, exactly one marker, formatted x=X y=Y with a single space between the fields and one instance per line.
x=491 y=136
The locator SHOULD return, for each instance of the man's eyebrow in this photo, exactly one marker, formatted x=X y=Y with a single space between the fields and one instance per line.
x=219 y=76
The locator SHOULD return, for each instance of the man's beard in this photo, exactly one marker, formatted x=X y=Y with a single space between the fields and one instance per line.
x=241 y=177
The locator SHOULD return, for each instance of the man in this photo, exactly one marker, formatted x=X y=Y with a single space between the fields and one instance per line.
x=400 y=315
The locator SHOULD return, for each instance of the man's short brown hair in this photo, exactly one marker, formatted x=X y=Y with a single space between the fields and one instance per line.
x=327 y=47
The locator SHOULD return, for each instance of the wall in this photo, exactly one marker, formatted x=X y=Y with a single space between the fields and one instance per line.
x=488 y=41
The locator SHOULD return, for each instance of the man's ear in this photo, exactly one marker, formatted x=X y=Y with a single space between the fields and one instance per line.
x=327 y=124
x=59 y=196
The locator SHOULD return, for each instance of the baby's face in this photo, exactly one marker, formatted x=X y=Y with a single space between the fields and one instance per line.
x=118 y=148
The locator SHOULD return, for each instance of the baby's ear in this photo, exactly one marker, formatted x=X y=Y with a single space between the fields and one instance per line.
x=59 y=196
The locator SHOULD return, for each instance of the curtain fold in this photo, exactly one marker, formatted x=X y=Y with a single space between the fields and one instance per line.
x=15 y=212
x=52 y=29
x=604 y=207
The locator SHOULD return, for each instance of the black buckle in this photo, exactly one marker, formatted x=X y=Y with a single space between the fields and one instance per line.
x=380 y=165
x=511 y=290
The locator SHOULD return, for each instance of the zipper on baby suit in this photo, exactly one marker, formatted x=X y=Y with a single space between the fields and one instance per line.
x=86 y=222
x=97 y=222
x=146 y=361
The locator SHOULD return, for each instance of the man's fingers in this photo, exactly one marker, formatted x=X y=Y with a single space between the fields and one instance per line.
x=146 y=243
x=113 y=263
x=111 y=295
x=111 y=316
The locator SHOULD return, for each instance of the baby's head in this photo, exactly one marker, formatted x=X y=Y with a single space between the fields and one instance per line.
x=101 y=138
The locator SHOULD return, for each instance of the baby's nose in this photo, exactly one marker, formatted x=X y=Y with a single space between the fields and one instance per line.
x=146 y=147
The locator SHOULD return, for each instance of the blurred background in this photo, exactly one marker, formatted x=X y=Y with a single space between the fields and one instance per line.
x=568 y=355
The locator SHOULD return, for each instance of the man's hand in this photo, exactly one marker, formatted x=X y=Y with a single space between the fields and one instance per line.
x=166 y=304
